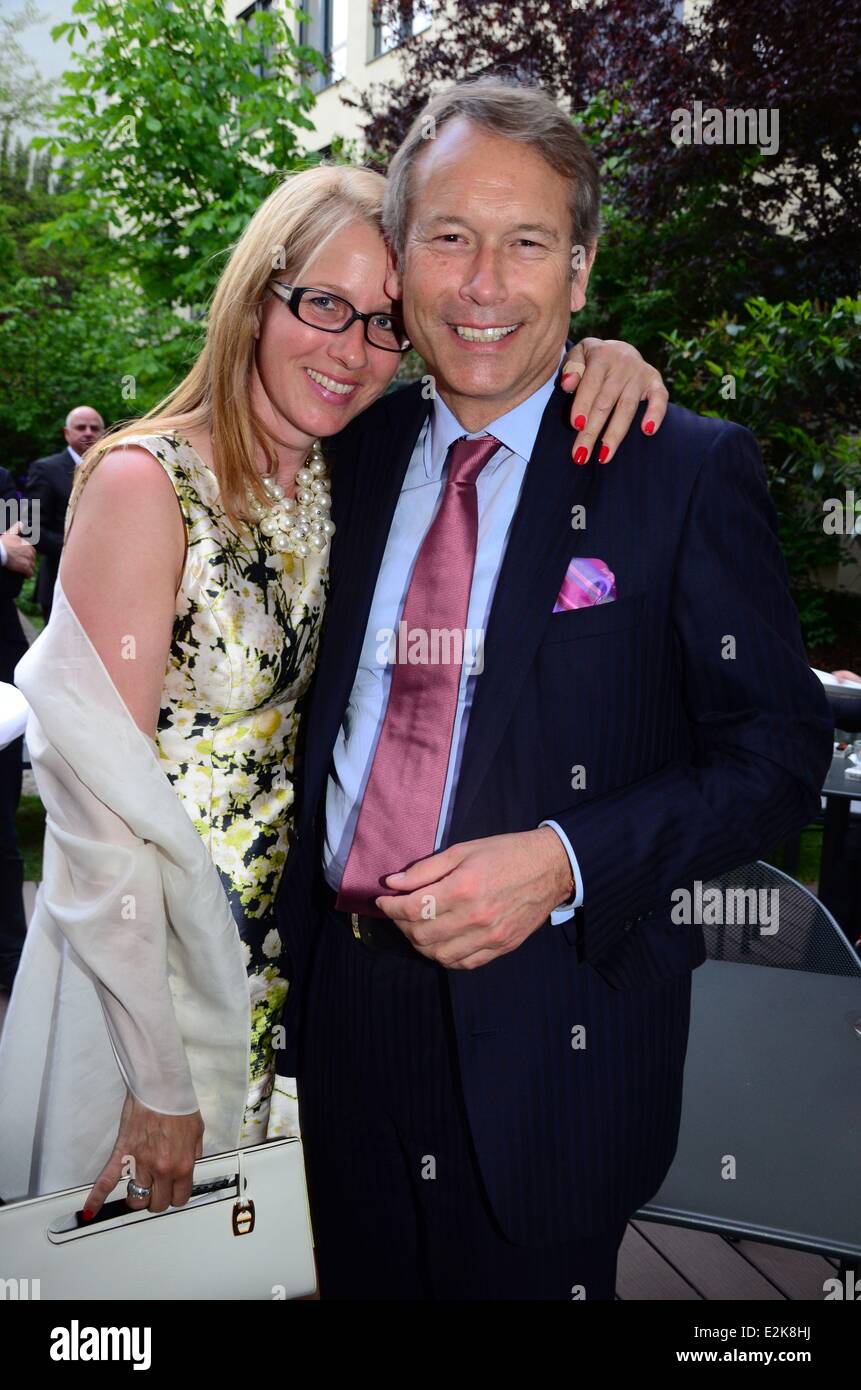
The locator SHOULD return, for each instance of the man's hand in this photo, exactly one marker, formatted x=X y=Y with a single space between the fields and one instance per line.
x=20 y=554
x=481 y=899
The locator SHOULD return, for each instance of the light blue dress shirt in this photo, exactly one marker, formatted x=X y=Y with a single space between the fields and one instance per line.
x=498 y=488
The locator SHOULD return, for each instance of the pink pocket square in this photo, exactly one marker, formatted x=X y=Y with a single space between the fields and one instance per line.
x=586 y=582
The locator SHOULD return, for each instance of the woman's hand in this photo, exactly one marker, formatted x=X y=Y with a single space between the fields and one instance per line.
x=164 y=1149
x=610 y=376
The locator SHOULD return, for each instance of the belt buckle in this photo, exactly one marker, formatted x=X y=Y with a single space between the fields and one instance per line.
x=354 y=923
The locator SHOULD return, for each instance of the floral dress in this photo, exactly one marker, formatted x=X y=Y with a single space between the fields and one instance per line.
x=242 y=654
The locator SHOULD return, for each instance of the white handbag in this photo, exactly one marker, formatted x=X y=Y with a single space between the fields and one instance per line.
x=245 y=1233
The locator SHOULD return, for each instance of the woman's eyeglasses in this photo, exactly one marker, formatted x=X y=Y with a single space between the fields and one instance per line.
x=320 y=309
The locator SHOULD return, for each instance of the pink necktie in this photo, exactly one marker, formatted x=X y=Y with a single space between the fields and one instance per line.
x=400 y=810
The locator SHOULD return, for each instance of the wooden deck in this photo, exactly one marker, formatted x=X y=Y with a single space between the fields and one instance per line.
x=661 y=1263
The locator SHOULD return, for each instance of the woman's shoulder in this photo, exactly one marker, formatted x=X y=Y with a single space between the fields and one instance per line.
x=135 y=462
x=128 y=474
x=174 y=454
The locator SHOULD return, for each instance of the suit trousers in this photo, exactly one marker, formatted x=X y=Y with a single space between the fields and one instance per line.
x=398 y=1206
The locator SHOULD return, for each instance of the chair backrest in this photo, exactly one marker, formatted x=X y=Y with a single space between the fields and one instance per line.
x=761 y=916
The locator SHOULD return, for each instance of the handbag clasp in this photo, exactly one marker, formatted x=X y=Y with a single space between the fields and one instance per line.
x=243 y=1218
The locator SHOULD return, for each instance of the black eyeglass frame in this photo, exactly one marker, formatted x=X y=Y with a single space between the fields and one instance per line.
x=294 y=299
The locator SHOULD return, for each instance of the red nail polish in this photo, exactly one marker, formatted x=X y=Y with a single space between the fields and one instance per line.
x=581 y=455
x=649 y=427
x=604 y=453
x=567 y=376
x=87 y=1214
x=580 y=422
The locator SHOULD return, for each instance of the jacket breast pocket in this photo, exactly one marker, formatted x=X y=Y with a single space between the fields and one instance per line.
x=595 y=621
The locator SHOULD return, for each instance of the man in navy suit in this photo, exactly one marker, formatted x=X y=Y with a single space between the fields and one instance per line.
x=49 y=484
x=490 y=1001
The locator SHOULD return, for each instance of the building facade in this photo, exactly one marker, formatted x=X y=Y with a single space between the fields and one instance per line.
x=359 y=49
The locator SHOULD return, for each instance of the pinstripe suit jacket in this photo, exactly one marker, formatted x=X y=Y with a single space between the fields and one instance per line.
x=704 y=738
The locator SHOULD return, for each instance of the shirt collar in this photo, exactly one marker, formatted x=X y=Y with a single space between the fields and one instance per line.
x=76 y=458
x=516 y=429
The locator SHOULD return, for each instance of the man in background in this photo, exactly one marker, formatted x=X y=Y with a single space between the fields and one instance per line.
x=49 y=482
x=17 y=562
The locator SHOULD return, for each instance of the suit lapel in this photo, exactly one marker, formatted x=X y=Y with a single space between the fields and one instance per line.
x=540 y=546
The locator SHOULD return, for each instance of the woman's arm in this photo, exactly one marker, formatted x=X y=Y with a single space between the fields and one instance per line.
x=609 y=379
x=120 y=571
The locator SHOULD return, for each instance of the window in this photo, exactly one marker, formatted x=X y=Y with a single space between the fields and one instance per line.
x=391 y=29
x=246 y=16
x=326 y=30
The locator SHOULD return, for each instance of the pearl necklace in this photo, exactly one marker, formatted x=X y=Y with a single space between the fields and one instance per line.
x=298 y=526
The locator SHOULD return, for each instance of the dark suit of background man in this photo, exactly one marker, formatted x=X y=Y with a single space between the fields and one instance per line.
x=17 y=562
x=490 y=1051
x=49 y=482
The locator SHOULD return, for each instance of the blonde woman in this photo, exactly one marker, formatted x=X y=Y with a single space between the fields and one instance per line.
x=192 y=586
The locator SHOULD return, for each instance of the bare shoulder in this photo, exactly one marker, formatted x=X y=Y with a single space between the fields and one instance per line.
x=127 y=477
x=126 y=511
x=121 y=569
x=128 y=491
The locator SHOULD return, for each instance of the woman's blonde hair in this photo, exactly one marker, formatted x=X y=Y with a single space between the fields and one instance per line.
x=303 y=213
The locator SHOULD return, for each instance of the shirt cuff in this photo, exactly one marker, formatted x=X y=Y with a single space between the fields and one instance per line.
x=3 y=556
x=566 y=910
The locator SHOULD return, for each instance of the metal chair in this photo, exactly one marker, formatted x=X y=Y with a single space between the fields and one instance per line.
x=770 y=1136
x=808 y=937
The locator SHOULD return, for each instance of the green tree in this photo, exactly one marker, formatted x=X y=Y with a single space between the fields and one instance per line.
x=23 y=93
x=788 y=372
x=177 y=124
x=173 y=127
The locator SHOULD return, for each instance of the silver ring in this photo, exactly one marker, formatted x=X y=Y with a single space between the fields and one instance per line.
x=135 y=1190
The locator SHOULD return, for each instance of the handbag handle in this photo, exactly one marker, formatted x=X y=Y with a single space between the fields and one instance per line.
x=114 y=1215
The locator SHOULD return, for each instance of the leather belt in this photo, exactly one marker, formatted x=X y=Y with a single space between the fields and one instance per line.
x=378 y=934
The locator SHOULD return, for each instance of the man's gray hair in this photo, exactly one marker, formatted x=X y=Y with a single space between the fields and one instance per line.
x=516 y=111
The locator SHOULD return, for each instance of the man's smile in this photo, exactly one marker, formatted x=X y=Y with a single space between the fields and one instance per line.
x=475 y=333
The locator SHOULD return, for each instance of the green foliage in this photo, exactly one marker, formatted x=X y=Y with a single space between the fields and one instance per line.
x=789 y=373
x=23 y=93
x=683 y=263
x=178 y=123
x=794 y=366
x=102 y=345
x=30 y=831
x=174 y=126
x=26 y=601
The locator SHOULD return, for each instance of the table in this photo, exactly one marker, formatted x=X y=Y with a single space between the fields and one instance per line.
x=839 y=793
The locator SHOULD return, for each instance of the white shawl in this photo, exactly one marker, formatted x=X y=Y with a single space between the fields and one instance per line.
x=132 y=972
